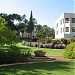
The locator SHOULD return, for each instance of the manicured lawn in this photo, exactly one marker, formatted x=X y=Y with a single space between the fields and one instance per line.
x=42 y=68
x=49 y=52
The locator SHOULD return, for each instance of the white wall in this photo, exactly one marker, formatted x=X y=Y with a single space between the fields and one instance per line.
x=70 y=25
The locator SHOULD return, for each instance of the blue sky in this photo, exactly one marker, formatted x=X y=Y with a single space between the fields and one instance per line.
x=46 y=12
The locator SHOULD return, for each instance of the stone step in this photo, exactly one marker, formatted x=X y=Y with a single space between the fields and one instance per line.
x=36 y=59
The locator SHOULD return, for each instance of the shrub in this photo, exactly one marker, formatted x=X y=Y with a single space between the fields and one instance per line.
x=51 y=45
x=26 y=39
x=34 y=39
x=34 y=44
x=41 y=45
x=72 y=39
x=45 y=45
x=40 y=40
x=70 y=51
x=65 y=41
x=63 y=45
x=56 y=46
x=13 y=55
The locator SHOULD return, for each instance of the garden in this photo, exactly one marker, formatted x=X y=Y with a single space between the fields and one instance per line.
x=57 y=57
x=37 y=68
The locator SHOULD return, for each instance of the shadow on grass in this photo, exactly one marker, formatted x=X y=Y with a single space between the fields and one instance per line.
x=42 y=68
x=4 y=48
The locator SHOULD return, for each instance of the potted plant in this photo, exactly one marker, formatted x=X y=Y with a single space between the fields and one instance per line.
x=39 y=53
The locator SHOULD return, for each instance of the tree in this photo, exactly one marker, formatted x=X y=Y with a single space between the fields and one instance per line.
x=30 y=26
x=52 y=32
x=39 y=27
x=10 y=20
x=41 y=34
x=6 y=35
x=45 y=31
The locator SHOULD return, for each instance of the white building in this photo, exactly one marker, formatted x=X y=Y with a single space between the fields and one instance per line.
x=65 y=26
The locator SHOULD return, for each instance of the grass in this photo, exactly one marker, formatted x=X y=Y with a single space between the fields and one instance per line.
x=42 y=68
x=49 y=52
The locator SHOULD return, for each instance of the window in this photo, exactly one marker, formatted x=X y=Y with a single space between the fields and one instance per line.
x=61 y=30
x=73 y=20
x=66 y=20
x=57 y=25
x=60 y=21
x=63 y=20
x=56 y=32
x=66 y=29
x=73 y=29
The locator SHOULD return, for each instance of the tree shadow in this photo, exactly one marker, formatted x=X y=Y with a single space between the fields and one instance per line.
x=4 y=48
x=42 y=68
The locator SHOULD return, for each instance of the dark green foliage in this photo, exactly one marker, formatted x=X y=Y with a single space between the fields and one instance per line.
x=26 y=39
x=41 y=45
x=45 y=31
x=13 y=55
x=30 y=26
x=10 y=20
x=70 y=51
x=65 y=41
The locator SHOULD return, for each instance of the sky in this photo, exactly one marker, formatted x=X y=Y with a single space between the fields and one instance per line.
x=46 y=12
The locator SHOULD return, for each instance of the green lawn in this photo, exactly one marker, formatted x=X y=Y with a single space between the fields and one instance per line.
x=42 y=68
x=49 y=52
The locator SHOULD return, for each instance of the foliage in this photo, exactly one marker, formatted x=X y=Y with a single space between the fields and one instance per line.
x=10 y=20
x=72 y=39
x=6 y=35
x=45 y=31
x=64 y=40
x=3 y=29
x=30 y=26
x=41 y=34
x=70 y=51
x=40 y=40
x=48 y=39
x=26 y=39
x=13 y=55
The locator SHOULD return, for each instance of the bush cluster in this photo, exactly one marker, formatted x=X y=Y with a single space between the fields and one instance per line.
x=13 y=55
x=70 y=51
x=53 y=44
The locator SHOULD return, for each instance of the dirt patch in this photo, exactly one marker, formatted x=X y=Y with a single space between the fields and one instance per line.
x=59 y=58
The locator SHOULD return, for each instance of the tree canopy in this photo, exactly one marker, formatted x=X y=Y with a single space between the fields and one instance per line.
x=6 y=35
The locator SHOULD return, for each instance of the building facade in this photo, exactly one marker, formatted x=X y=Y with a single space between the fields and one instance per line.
x=25 y=34
x=65 y=26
